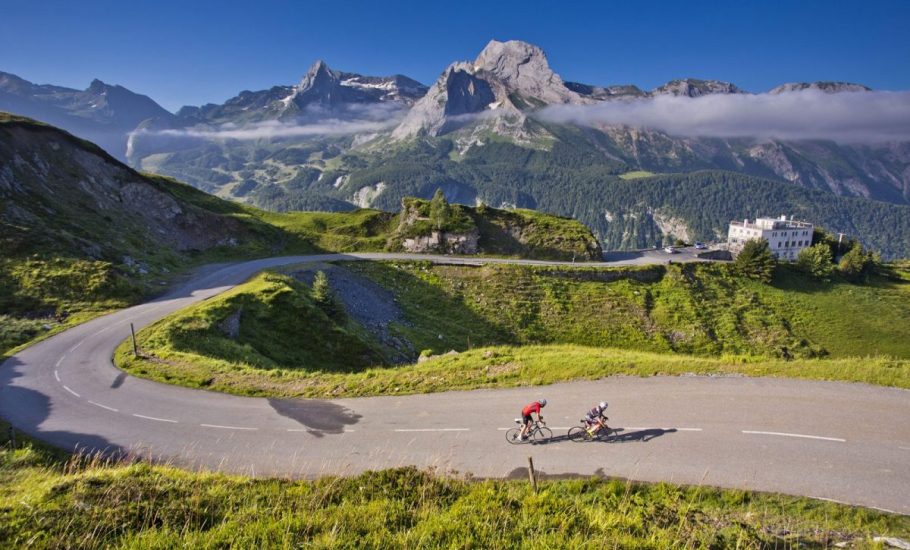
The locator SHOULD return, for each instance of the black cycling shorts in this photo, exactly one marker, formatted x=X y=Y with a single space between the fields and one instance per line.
x=527 y=418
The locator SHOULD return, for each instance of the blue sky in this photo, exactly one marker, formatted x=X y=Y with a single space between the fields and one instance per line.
x=192 y=52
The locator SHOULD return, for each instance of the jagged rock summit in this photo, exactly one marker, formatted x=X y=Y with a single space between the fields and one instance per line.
x=506 y=80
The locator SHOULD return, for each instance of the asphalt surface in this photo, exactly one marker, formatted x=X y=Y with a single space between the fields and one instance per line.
x=844 y=442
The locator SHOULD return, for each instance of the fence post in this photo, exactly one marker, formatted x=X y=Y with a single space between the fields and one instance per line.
x=12 y=437
x=531 y=475
x=133 y=333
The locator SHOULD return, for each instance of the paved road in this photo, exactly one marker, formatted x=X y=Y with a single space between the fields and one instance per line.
x=846 y=442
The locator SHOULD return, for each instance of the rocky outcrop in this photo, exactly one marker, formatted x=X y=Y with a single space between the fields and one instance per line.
x=444 y=243
x=485 y=230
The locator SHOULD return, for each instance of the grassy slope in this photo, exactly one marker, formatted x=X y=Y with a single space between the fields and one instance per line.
x=48 y=502
x=636 y=174
x=693 y=319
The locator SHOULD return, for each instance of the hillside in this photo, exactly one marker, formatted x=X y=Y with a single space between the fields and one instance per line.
x=82 y=233
x=518 y=325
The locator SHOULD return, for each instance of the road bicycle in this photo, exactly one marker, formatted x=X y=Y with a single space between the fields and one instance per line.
x=579 y=434
x=537 y=434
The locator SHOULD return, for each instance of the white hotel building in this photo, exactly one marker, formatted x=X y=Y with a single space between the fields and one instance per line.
x=785 y=237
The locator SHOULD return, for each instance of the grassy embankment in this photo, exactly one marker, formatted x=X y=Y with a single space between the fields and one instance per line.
x=530 y=325
x=49 y=501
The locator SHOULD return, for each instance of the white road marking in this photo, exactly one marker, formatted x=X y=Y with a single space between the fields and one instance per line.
x=904 y=448
x=67 y=388
x=77 y=345
x=226 y=427
x=433 y=430
x=102 y=406
x=153 y=418
x=803 y=436
x=62 y=357
x=56 y=375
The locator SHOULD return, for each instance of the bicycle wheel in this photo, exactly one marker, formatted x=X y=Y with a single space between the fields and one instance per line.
x=542 y=434
x=578 y=434
x=512 y=436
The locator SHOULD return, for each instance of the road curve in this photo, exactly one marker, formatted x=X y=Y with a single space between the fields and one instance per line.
x=845 y=442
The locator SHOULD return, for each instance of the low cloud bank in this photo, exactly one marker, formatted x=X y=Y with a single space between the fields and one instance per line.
x=275 y=129
x=314 y=121
x=847 y=117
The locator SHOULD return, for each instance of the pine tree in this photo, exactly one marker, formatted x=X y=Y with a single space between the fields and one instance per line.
x=323 y=296
x=439 y=210
x=756 y=261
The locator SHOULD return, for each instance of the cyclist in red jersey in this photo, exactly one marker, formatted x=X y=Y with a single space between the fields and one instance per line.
x=533 y=407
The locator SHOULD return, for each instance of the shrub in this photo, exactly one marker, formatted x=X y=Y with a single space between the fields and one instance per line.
x=756 y=261
x=857 y=264
x=816 y=261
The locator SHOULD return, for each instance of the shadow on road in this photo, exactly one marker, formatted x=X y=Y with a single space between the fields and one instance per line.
x=321 y=417
x=27 y=409
x=617 y=436
x=622 y=255
x=621 y=436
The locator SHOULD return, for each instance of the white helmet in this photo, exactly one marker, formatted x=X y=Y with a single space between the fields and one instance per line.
x=543 y=402
x=603 y=405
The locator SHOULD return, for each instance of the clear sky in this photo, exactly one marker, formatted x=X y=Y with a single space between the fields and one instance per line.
x=193 y=52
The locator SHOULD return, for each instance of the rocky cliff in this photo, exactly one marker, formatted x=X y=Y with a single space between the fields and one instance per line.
x=485 y=230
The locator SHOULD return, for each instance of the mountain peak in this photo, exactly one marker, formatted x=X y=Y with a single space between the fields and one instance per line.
x=824 y=86
x=318 y=74
x=506 y=59
x=97 y=86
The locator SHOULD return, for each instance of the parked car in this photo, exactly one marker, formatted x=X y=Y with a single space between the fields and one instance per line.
x=700 y=245
x=671 y=250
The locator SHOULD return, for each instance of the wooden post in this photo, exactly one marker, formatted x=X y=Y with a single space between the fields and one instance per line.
x=12 y=437
x=531 y=475
x=133 y=333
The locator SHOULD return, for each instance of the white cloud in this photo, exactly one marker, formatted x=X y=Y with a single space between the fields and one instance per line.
x=314 y=121
x=275 y=129
x=847 y=117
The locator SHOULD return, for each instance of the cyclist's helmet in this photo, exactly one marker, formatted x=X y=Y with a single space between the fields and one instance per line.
x=543 y=402
x=603 y=405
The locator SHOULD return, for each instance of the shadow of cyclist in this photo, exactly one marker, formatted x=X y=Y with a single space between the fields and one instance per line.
x=621 y=436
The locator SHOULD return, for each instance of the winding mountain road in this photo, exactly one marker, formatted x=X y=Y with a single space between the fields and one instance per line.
x=844 y=442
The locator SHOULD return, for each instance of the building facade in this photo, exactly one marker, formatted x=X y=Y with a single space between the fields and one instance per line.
x=786 y=237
